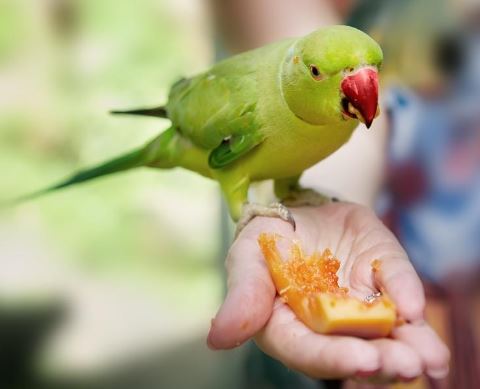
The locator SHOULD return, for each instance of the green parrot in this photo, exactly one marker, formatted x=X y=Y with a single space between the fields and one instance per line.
x=269 y=113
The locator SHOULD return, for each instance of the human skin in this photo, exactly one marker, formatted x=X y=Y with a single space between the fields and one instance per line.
x=252 y=310
x=414 y=348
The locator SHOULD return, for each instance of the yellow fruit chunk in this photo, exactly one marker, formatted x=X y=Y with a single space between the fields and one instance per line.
x=309 y=285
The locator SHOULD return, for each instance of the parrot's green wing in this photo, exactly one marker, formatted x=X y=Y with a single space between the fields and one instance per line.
x=232 y=149
x=217 y=109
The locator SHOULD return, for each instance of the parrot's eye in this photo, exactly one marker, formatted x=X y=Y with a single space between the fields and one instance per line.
x=315 y=73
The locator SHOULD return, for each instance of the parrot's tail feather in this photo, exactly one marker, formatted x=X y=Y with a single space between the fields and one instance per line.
x=158 y=112
x=136 y=158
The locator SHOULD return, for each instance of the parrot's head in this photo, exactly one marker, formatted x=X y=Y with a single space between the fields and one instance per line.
x=331 y=76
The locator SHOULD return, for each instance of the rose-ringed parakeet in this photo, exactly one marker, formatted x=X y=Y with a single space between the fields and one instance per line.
x=269 y=113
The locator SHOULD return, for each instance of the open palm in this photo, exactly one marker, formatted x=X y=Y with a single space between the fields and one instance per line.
x=356 y=237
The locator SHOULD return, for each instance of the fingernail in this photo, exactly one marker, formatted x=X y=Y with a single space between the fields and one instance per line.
x=438 y=374
x=366 y=373
x=209 y=336
x=210 y=344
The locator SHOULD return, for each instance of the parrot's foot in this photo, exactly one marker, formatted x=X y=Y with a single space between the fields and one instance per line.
x=250 y=210
x=307 y=197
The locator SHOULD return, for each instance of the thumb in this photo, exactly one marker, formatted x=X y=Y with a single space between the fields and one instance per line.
x=250 y=297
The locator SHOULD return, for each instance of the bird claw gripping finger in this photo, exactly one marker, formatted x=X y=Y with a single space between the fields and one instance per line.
x=250 y=210
x=307 y=197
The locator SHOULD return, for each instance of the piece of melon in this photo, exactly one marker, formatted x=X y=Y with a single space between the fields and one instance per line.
x=309 y=285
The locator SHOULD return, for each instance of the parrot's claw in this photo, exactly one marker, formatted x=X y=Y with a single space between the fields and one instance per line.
x=307 y=197
x=250 y=210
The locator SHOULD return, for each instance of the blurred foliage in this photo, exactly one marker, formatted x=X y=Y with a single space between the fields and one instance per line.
x=63 y=65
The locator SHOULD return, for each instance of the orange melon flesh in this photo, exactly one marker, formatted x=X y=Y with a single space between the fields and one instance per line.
x=309 y=285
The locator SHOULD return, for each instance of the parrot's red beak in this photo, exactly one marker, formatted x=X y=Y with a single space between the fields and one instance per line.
x=360 y=90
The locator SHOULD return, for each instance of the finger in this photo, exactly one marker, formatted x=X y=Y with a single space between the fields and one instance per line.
x=426 y=343
x=249 y=300
x=398 y=278
x=287 y=339
x=396 y=274
x=251 y=292
x=399 y=361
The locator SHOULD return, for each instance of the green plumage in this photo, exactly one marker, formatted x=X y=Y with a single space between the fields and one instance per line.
x=258 y=115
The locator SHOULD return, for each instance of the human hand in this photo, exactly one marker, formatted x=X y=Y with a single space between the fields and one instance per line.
x=356 y=237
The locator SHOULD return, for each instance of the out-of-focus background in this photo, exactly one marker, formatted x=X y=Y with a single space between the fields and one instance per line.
x=128 y=266
x=112 y=284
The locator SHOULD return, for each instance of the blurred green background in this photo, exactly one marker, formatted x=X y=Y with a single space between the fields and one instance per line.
x=134 y=258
